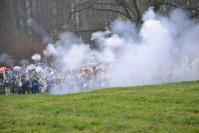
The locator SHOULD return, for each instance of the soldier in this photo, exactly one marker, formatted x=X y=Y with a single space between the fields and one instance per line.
x=25 y=79
x=102 y=75
x=7 y=76
x=88 y=77
x=2 y=69
x=42 y=84
x=18 y=84
x=34 y=82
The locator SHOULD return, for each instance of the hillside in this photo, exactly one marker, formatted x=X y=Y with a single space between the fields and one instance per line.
x=155 y=108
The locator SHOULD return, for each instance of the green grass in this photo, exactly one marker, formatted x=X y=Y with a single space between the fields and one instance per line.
x=156 y=108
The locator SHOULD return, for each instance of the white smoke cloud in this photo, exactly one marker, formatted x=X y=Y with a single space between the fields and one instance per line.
x=77 y=53
x=36 y=57
x=100 y=37
x=149 y=15
x=125 y=29
x=24 y=61
x=114 y=41
x=17 y=68
x=50 y=50
x=31 y=67
x=68 y=51
x=39 y=30
x=150 y=55
x=6 y=59
x=161 y=46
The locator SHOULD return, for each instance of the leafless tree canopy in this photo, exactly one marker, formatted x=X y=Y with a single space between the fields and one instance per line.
x=25 y=24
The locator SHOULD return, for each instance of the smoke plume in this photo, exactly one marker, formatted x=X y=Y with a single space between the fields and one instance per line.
x=39 y=30
x=24 y=61
x=36 y=57
x=6 y=59
x=151 y=55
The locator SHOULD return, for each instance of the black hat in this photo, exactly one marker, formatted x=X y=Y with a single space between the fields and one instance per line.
x=7 y=66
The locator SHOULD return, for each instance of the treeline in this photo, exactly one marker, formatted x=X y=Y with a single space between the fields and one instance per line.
x=27 y=25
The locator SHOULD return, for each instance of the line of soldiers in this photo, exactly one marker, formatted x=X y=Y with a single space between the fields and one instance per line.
x=44 y=78
x=86 y=77
x=19 y=81
x=23 y=80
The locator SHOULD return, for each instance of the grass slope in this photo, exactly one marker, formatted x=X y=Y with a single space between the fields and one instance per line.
x=155 y=108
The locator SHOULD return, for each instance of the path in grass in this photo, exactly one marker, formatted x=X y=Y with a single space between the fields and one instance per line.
x=158 y=108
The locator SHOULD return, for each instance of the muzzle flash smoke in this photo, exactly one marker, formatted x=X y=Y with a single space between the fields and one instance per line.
x=160 y=51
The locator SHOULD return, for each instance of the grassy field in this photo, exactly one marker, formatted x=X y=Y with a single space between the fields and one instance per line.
x=159 y=108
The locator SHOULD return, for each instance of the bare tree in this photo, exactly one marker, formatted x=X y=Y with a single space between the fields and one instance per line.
x=82 y=17
x=165 y=6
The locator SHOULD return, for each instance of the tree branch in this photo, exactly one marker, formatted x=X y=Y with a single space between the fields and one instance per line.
x=110 y=10
x=88 y=30
x=126 y=8
x=137 y=11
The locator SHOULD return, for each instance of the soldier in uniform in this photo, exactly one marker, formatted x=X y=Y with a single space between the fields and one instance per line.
x=18 y=84
x=34 y=82
x=7 y=76
x=25 y=79
x=88 y=77
x=2 y=90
